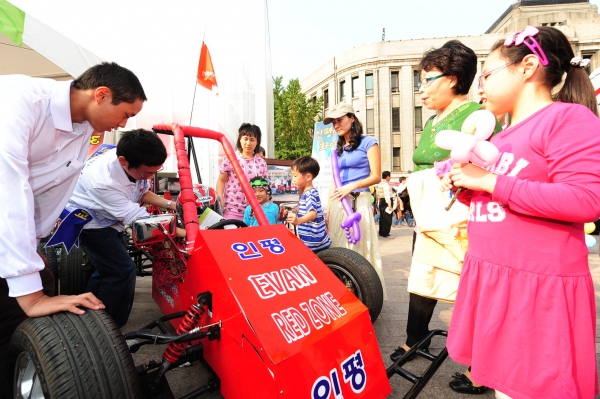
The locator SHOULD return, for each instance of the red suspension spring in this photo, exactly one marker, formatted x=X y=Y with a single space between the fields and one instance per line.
x=189 y=322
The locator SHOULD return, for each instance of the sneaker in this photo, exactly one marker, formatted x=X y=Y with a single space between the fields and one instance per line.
x=131 y=342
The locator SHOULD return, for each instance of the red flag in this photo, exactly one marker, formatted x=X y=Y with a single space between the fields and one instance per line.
x=206 y=72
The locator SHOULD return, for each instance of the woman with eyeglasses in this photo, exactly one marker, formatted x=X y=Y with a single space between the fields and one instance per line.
x=447 y=74
x=359 y=162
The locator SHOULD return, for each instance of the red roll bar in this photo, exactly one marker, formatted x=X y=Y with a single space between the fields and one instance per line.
x=186 y=197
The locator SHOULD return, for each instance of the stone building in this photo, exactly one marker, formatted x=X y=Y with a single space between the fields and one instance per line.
x=380 y=79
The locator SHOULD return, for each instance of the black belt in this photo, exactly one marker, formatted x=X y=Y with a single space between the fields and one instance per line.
x=353 y=198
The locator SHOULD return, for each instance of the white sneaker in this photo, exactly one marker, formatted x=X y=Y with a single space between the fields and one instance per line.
x=131 y=342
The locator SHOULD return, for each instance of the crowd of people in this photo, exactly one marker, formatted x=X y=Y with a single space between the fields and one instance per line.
x=524 y=319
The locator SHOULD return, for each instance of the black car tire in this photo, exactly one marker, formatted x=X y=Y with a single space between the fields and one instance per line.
x=72 y=356
x=75 y=272
x=50 y=254
x=358 y=275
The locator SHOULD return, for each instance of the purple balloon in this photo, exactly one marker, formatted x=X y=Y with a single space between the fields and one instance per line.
x=352 y=218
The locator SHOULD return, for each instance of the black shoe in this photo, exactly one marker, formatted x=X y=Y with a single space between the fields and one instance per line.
x=462 y=384
x=400 y=351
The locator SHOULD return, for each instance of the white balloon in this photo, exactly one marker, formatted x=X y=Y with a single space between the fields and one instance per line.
x=485 y=122
x=446 y=139
x=469 y=144
x=462 y=148
x=485 y=152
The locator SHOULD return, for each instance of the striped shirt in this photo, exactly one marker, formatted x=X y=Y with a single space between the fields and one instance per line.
x=312 y=233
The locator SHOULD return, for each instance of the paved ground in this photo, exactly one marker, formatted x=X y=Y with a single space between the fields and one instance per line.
x=389 y=326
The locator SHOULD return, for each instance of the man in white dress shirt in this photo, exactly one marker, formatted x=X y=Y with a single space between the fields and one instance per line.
x=45 y=130
x=384 y=196
x=110 y=188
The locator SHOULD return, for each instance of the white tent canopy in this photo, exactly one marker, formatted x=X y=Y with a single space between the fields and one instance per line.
x=160 y=42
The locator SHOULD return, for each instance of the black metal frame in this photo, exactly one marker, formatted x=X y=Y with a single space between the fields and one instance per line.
x=152 y=374
x=417 y=349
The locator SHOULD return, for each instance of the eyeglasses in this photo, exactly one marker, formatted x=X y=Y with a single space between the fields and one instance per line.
x=482 y=78
x=151 y=174
x=427 y=81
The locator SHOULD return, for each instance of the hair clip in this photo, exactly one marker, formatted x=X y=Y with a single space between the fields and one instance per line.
x=580 y=62
x=521 y=38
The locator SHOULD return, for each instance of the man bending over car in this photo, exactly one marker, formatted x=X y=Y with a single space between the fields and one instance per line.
x=109 y=190
x=45 y=130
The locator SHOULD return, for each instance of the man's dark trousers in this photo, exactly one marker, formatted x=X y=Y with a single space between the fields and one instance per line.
x=385 y=221
x=113 y=282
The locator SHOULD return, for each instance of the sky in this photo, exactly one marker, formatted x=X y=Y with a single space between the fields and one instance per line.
x=306 y=34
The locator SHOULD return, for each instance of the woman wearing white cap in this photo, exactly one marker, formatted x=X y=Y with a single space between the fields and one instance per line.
x=359 y=162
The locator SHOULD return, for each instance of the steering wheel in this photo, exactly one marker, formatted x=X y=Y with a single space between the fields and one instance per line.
x=226 y=222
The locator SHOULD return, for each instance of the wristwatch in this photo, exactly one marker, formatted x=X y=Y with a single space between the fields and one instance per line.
x=169 y=202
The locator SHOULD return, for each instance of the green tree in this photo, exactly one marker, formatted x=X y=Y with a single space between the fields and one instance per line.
x=295 y=117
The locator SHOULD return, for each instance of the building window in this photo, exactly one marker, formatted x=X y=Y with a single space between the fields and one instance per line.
x=588 y=56
x=342 y=90
x=314 y=98
x=395 y=82
x=395 y=119
x=326 y=98
x=355 y=86
x=396 y=159
x=370 y=121
x=418 y=118
x=369 y=84
x=416 y=80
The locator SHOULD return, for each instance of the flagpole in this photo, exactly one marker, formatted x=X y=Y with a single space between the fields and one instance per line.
x=192 y=149
x=193 y=100
x=196 y=82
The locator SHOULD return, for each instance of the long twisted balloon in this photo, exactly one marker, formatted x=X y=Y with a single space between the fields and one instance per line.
x=352 y=218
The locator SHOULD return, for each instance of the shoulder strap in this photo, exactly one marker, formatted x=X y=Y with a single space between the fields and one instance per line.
x=428 y=120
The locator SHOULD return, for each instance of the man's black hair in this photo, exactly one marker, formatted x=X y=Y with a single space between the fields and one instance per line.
x=123 y=84
x=385 y=174
x=307 y=164
x=141 y=147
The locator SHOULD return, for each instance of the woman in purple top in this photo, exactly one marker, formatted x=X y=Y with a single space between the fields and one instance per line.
x=359 y=161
